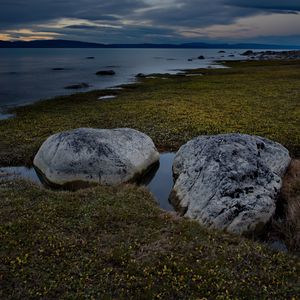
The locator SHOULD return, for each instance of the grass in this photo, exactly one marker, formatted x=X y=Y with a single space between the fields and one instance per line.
x=289 y=230
x=115 y=242
x=252 y=97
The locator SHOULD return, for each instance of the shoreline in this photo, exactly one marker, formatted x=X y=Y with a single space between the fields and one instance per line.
x=249 y=55
x=131 y=90
x=6 y=112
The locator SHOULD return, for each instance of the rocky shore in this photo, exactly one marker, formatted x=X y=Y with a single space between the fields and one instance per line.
x=273 y=55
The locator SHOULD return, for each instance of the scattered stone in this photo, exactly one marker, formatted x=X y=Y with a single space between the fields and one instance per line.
x=229 y=181
x=231 y=55
x=248 y=53
x=84 y=156
x=222 y=51
x=190 y=59
x=90 y=57
x=82 y=85
x=107 y=97
x=201 y=57
x=274 y=55
x=106 y=72
x=140 y=75
x=58 y=69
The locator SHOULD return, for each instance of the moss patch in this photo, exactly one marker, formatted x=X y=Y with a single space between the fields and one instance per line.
x=104 y=243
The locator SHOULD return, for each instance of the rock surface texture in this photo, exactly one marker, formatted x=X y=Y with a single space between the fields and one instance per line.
x=229 y=181
x=105 y=156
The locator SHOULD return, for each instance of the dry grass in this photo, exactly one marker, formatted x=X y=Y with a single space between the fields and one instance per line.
x=290 y=194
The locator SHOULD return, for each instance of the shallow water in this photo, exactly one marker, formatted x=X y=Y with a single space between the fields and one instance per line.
x=161 y=184
x=28 y=75
x=159 y=181
x=20 y=172
x=5 y=116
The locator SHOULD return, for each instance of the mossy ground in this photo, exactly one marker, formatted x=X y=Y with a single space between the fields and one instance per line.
x=115 y=242
x=252 y=97
x=105 y=243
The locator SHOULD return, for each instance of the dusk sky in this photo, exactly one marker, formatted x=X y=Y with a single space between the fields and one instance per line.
x=152 y=21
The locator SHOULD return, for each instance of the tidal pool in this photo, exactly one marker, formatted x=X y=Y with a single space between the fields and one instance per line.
x=159 y=181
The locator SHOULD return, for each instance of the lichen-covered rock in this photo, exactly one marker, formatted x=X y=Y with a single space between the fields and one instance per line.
x=105 y=156
x=229 y=181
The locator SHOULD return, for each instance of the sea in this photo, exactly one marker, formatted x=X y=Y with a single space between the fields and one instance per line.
x=30 y=75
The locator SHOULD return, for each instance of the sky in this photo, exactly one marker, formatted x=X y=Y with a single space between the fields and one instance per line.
x=152 y=21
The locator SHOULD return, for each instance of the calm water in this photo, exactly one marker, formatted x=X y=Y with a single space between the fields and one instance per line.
x=159 y=182
x=27 y=75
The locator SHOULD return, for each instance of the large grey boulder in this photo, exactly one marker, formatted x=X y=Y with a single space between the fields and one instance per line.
x=85 y=155
x=229 y=181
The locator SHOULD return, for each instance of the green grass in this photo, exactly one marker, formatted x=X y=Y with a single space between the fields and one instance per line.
x=252 y=97
x=115 y=242
x=105 y=243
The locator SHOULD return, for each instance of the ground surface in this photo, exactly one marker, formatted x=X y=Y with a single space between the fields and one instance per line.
x=252 y=97
x=105 y=243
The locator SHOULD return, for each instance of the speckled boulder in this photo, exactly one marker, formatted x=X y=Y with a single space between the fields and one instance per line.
x=105 y=156
x=229 y=181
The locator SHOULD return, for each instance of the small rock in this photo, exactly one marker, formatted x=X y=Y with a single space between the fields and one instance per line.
x=248 y=53
x=58 y=69
x=82 y=85
x=90 y=57
x=201 y=57
x=107 y=97
x=140 y=75
x=106 y=72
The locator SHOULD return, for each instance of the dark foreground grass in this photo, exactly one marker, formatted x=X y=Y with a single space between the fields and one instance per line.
x=115 y=243
x=260 y=98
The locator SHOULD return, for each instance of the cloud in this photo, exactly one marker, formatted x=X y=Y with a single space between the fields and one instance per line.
x=148 y=20
x=275 y=5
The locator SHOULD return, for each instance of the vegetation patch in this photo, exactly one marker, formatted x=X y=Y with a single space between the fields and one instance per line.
x=114 y=242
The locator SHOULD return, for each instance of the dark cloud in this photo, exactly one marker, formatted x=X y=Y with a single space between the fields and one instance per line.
x=20 y=11
x=278 y=5
x=81 y=27
x=132 y=20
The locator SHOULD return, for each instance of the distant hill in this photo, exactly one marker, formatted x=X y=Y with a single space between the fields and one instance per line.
x=77 y=44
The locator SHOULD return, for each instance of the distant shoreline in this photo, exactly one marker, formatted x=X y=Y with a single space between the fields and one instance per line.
x=79 y=44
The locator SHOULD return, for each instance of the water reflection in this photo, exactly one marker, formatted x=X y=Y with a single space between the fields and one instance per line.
x=161 y=184
x=159 y=181
x=20 y=172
